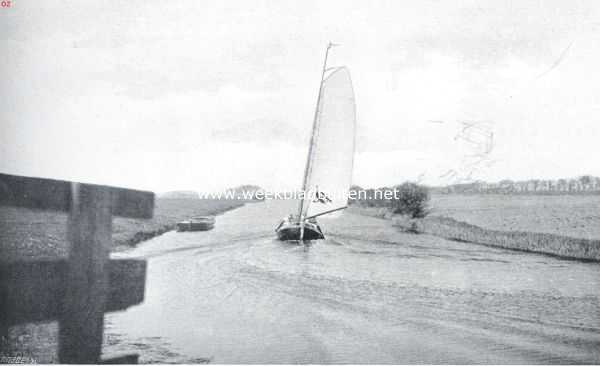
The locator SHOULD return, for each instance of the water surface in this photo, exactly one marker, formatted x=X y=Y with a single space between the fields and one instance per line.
x=366 y=294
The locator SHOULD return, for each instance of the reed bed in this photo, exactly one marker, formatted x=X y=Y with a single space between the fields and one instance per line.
x=449 y=228
x=559 y=245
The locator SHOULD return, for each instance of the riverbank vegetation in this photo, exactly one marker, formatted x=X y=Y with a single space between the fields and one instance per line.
x=28 y=234
x=409 y=199
x=567 y=226
x=545 y=243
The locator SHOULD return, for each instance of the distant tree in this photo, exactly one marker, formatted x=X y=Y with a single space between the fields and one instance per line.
x=353 y=196
x=411 y=199
x=506 y=185
x=369 y=201
x=563 y=185
x=596 y=183
x=546 y=185
x=383 y=197
x=586 y=182
x=574 y=185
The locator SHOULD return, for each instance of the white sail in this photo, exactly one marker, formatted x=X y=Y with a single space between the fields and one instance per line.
x=329 y=169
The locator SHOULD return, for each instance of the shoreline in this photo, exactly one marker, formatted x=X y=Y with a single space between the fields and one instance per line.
x=42 y=235
x=451 y=229
x=130 y=239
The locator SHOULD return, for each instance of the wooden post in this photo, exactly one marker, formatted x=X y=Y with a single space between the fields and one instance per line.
x=81 y=320
x=77 y=292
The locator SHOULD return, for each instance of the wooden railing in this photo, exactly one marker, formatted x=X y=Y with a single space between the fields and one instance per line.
x=77 y=291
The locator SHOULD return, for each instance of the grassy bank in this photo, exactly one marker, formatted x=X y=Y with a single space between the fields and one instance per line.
x=32 y=234
x=449 y=228
x=575 y=216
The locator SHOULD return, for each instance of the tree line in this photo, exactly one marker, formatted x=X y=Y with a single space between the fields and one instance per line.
x=582 y=184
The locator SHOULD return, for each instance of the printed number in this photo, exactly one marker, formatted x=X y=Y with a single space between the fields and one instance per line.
x=5 y=4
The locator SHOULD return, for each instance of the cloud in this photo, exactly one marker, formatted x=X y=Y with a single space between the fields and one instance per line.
x=149 y=83
x=178 y=66
x=263 y=132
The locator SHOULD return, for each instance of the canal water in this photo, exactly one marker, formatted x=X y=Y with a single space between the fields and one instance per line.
x=367 y=294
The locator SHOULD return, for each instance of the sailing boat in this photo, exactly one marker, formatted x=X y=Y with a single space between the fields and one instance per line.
x=328 y=171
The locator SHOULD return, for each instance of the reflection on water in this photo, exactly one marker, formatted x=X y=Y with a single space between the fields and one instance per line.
x=367 y=294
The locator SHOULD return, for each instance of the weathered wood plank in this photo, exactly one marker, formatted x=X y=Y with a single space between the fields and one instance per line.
x=33 y=291
x=35 y=192
x=127 y=283
x=89 y=231
x=132 y=203
x=50 y=194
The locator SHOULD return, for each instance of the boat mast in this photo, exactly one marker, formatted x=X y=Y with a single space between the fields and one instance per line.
x=312 y=140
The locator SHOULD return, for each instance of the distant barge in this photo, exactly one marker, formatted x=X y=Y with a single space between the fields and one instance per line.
x=202 y=223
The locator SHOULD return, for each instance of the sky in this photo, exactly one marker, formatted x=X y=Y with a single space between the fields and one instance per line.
x=205 y=95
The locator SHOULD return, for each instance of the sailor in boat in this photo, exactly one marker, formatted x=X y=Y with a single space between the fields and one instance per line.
x=292 y=228
x=321 y=197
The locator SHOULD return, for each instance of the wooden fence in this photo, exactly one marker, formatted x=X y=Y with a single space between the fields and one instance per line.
x=77 y=291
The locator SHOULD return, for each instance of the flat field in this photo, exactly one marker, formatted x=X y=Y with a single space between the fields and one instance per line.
x=576 y=216
x=35 y=234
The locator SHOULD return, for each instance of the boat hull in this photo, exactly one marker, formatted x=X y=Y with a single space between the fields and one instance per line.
x=197 y=224
x=291 y=231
